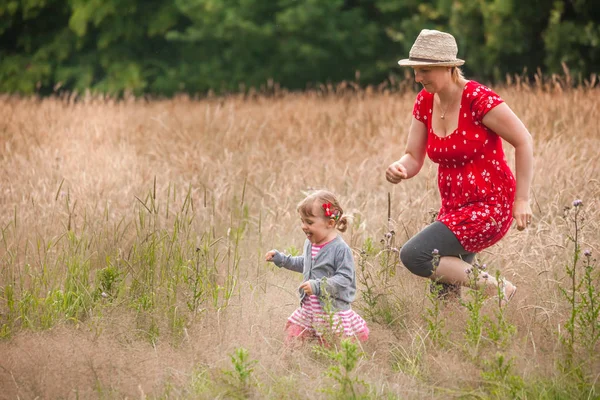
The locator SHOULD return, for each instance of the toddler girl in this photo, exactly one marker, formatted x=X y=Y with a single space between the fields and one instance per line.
x=329 y=285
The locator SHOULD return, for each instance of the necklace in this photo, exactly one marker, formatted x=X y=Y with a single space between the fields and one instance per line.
x=443 y=116
x=443 y=111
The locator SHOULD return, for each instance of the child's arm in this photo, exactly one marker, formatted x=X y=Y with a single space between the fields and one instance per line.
x=341 y=279
x=288 y=262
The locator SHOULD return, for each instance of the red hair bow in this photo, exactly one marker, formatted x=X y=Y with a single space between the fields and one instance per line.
x=327 y=208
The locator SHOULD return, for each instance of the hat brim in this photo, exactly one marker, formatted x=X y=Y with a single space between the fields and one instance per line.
x=412 y=63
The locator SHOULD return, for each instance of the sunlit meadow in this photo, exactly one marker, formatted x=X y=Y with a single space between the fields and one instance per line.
x=133 y=234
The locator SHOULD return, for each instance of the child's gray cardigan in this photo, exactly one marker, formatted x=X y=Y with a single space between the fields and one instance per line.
x=334 y=262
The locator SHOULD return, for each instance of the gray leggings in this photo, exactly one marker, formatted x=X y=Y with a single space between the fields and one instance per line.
x=416 y=253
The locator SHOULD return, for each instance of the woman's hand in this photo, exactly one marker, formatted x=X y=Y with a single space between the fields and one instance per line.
x=269 y=256
x=522 y=213
x=396 y=172
x=307 y=289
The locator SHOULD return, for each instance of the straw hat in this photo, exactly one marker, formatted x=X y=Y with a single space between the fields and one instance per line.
x=433 y=48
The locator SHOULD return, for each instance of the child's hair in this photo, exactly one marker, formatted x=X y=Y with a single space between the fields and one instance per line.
x=320 y=197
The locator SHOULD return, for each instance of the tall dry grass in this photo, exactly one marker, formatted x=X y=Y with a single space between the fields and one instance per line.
x=95 y=167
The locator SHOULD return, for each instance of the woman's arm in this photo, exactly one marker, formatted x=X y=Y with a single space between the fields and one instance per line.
x=502 y=120
x=411 y=162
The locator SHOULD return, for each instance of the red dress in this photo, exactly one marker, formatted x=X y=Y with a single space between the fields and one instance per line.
x=475 y=182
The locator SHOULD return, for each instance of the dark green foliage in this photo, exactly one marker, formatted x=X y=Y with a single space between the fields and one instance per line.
x=163 y=47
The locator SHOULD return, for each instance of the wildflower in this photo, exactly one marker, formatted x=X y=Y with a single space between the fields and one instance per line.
x=388 y=236
x=577 y=203
x=104 y=294
x=468 y=270
x=435 y=252
x=483 y=267
x=587 y=253
x=485 y=275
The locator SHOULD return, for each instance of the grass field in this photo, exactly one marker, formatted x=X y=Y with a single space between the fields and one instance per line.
x=133 y=236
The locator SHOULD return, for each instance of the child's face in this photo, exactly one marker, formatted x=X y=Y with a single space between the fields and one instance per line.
x=319 y=229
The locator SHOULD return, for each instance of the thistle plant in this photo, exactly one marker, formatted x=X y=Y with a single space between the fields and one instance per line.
x=240 y=378
x=582 y=294
x=499 y=378
x=345 y=360
x=379 y=305
x=368 y=293
x=588 y=318
x=435 y=323
x=475 y=321
x=572 y=215
x=499 y=330
x=389 y=256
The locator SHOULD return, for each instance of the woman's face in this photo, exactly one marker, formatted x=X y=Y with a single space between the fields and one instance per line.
x=433 y=79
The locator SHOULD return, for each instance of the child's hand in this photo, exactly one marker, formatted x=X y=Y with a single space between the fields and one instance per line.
x=306 y=287
x=269 y=256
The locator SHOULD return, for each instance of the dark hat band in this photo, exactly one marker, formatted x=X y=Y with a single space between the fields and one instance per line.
x=428 y=60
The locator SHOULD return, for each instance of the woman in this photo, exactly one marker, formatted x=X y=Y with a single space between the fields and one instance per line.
x=460 y=124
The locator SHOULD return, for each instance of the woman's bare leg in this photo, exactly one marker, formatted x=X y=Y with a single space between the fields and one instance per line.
x=453 y=270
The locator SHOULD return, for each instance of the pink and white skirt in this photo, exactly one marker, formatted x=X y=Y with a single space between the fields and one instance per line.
x=311 y=320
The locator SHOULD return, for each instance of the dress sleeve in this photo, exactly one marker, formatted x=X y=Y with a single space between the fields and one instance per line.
x=420 y=108
x=484 y=99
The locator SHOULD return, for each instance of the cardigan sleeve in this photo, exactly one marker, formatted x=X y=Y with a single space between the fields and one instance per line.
x=293 y=263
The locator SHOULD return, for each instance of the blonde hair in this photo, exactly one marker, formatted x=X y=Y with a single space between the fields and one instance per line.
x=307 y=206
x=456 y=74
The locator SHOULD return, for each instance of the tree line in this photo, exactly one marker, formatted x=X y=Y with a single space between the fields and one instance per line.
x=161 y=47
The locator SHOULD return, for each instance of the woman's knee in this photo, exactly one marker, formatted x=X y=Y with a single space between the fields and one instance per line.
x=416 y=260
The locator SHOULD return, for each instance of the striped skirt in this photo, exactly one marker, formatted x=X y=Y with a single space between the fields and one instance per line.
x=311 y=320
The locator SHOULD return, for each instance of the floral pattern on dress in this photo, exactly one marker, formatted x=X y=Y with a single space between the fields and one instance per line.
x=476 y=184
